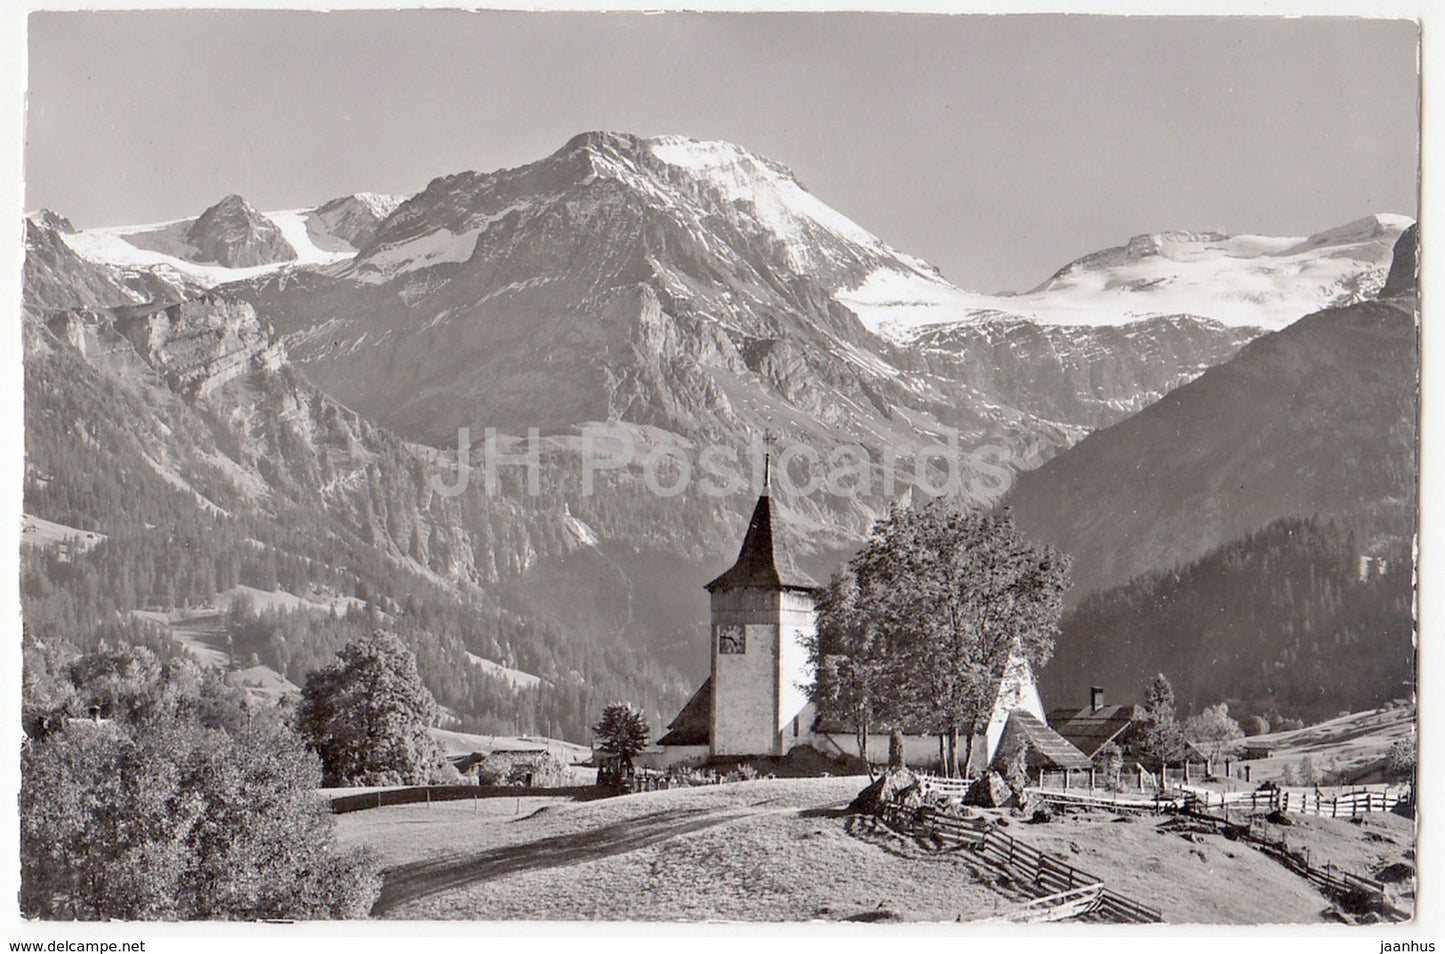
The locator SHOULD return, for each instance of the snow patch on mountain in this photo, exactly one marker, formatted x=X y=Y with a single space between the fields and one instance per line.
x=517 y=678
x=110 y=246
x=163 y=247
x=779 y=203
x=897 y=304
x=292 y=223
x=1241 y=281
x=440 y=247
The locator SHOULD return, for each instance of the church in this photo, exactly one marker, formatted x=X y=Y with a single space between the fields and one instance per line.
x=754 y=702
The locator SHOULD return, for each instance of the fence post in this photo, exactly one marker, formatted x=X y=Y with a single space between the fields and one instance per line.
x=1091 y=780
x=1248 y=771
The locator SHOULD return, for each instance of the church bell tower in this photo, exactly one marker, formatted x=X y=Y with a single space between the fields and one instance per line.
x=762 y=611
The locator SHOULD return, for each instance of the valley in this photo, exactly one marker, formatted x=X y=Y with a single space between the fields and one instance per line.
x=287 y=389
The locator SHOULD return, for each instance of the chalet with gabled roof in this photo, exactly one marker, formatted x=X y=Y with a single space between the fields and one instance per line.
x=1091 y=728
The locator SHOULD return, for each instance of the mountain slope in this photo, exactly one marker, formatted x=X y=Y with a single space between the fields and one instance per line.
x=696 y=287
x=1302 y=619
x=351 y=219
x=55 y=277
x=1319 y=418
x=682 y=294
x=182 y=437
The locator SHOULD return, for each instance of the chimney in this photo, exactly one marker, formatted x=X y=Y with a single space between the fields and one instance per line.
x=1096 y=698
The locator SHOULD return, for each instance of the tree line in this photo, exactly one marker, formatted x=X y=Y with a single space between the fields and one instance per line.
x=1278 y=625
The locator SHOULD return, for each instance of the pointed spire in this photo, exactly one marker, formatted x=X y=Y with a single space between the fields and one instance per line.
x=764 y=559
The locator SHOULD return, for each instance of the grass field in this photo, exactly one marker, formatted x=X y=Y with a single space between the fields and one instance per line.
x=783 y=850
x=35 y=532
x=1349 y=747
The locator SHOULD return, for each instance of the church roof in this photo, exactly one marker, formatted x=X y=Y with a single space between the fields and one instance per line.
x=693 y=724
x=1046 y=747
x=764 y=559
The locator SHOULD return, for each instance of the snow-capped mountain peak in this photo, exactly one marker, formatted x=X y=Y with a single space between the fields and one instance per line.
x=656 y=201
x=1243 y=280
x=49 y=219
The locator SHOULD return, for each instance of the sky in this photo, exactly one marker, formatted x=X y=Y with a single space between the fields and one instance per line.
x=998 y=148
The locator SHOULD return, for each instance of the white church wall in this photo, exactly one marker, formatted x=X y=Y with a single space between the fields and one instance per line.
x=796 y=619
x=919 y=751
x=1019 y=690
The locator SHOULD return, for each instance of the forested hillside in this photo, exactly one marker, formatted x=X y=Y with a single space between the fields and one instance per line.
x=196 y=496
x=1305 y=618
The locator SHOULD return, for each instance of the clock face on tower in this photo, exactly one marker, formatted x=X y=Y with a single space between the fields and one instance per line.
x=731 y=640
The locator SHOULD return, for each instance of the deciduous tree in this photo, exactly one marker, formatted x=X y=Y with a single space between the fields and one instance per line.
x=1213 y=731
x=174 y=807
x=941 y=600
x=368 y=716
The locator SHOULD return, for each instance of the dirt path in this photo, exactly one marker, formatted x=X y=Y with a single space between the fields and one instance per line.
x=421 y=879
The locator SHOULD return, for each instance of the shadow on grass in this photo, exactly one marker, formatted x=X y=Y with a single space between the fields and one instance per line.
x=411 y=882
x=828 y=811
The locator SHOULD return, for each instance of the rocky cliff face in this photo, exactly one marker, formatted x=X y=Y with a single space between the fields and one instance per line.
x=354 y=218
x=201 y=344
x=1085 y=377
x=1404 y=276
x=49 y=219
x=234 y=235
x=56 y=278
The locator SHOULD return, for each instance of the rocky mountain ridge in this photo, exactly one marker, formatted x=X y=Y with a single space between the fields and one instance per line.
x=234 y=235
x=680 y=295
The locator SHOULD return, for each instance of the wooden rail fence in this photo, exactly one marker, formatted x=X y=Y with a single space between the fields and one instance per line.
x=1041 y=873
x=1107 y=801
x=1349 y=804
x=1332 y=880
x=1076 y=903
x=937 y=785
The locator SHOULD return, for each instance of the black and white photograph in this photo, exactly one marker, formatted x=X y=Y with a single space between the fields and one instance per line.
x=829 y=468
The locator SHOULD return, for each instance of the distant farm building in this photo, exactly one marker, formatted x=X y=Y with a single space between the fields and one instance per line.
x=1096 y=725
